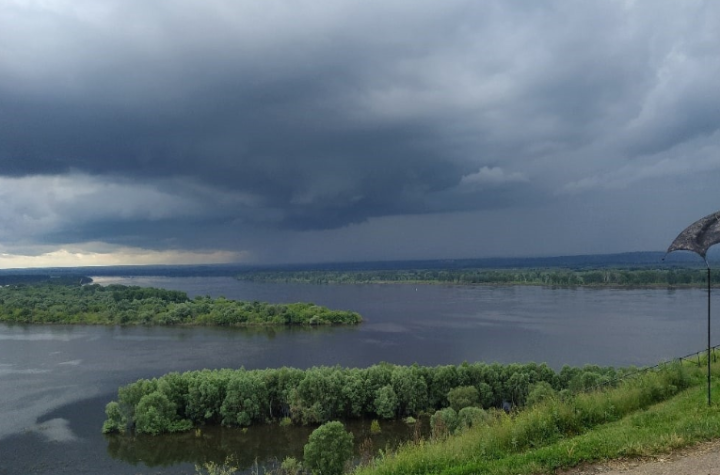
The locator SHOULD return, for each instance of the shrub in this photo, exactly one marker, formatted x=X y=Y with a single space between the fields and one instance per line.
x=444 y=422
x=115 y=421
x=463 y=396
x=471 y=417
x=155 y=414
x=539 y=392
x=291 y=466
x=212 y=468
x=328 y=449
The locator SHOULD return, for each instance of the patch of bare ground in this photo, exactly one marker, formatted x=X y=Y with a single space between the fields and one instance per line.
x=700 y=459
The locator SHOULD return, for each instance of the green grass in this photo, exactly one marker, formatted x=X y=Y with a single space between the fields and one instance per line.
x=656 y=413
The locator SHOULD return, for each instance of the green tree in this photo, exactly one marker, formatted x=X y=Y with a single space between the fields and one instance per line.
x=155 y=414
x=328 y=449
x=206 y=394
x=410 y=388
x=462 y=397
x=354 y=392
x=386 y=402
x=486 y=395
x=115 y=421
x=443 y=379
x=539 y=392
x=245 y=399
x=518 y=385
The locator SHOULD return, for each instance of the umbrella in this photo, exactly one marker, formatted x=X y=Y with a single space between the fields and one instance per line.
x=698 y=237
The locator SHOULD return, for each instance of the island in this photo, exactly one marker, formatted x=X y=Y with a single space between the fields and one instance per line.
x=93 y=304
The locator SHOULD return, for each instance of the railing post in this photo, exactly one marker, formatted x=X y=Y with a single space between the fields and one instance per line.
x=708 y=325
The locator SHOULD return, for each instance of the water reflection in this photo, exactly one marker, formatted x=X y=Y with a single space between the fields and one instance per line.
x=264 y=444
x=159 y=333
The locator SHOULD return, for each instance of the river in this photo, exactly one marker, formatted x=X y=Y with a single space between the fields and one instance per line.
x=56 y=380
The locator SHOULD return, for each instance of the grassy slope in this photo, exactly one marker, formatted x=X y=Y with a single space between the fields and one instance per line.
x=505 y=448
x=682 y=421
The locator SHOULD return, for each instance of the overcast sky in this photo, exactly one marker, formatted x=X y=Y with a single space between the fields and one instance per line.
x=263 y=131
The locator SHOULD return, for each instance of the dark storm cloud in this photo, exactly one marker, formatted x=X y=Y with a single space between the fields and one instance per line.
x=290 y=140
x=288 y=116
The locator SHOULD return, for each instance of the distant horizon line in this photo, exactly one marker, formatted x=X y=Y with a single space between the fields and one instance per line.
x=678 y=257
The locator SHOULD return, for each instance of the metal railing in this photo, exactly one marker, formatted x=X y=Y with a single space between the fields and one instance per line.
x=644 y=370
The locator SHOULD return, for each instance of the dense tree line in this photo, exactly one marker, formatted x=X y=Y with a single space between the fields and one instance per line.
x=559 y=277
x=129 y=305
x=177 y=402
x=64 y=279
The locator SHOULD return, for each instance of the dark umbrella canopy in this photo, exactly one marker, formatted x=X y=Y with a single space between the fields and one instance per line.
x=699 y=236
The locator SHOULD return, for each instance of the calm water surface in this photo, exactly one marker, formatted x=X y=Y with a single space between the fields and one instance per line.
x=56 y=380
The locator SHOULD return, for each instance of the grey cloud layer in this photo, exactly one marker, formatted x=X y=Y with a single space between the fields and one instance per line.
x=317 y=115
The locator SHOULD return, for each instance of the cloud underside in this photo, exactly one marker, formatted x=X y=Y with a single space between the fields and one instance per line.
x=248 y=128
x=115 y=256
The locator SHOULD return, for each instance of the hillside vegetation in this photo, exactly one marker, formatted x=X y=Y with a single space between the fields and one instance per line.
x=658 y=411
x=123 y=305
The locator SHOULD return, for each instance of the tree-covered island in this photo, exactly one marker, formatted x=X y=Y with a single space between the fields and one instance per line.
x=94 y=304
x=179 y=401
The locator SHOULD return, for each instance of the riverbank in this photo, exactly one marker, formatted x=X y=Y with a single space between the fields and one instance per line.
x=597 y=277
x=534 y=441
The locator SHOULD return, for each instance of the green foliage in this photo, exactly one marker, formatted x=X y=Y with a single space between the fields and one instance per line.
x=486 y=395
x=375 y=427
x=155 y=413
x=245 y=399
x=206 y=394
x=328 y=449
x=517 y=387
x=129 y=396
x=539 y=392
x=463 y=396
x=123 y=305
x=444 y=422
x=212 y=468
x=472 y=417
x=411 y=389
x=115 y=421
x=503 y=444
x=386 y=402
x=320 y=394
x=291 y=466
x=522 y=276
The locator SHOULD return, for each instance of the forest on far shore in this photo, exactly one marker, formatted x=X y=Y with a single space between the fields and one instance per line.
x=522 y=276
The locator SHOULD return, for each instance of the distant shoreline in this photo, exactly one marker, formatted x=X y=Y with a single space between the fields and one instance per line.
x=561 y=278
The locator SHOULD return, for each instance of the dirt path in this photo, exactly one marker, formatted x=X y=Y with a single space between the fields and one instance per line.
x=701 y=459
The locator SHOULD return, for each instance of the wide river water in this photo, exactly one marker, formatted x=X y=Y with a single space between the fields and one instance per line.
x=56 y=380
